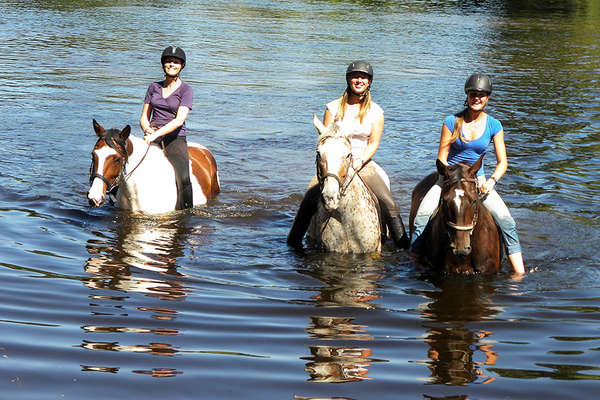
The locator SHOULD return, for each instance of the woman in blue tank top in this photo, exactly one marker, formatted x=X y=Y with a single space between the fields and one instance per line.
x=464 y=138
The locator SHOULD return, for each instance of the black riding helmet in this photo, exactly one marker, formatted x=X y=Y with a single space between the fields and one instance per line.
x=360 y=66
x=478 y=82
x=173 y=51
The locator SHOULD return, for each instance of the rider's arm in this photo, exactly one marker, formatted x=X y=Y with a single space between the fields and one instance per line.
x=374 y=139
x=182 y=113
x=327 y=118
x=145 y=119
x=501 y=162
x=444 y=147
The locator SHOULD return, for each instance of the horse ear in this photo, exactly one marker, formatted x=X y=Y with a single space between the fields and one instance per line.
x=475 y=167
x=98 y=128
x=124 y=134
x=318 y=124
x=442 y=168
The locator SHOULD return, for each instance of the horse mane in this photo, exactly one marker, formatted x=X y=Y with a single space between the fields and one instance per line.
x=114 y=140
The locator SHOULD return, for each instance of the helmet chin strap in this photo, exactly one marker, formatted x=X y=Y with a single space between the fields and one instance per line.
x=362 y=95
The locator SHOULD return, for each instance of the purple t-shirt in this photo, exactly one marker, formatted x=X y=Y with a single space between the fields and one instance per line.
x=165 y=110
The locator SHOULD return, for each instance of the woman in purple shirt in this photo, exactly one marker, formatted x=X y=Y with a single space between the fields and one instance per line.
x=166 y=106
x=465 y=137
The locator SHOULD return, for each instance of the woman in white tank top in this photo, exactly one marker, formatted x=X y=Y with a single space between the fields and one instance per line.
x=358 y=114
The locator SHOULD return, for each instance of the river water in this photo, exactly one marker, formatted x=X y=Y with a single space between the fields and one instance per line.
x=211 y=303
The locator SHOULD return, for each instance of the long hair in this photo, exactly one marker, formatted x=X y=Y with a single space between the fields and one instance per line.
x=365 y=104
x=458 y=124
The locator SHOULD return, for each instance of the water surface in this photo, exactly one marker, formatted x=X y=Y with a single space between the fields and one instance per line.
x=211 y=303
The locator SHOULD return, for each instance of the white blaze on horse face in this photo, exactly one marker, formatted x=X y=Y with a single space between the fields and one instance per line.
x=96 y=192
x=459 y=195
x=334 y=152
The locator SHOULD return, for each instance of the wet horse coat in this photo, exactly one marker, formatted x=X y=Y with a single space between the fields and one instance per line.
x=462 y=236
x=347 y=218
x=144 y=177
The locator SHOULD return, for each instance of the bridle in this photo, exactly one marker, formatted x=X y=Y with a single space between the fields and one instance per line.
x=342 y=184
x=122 y=152
x=471 y=226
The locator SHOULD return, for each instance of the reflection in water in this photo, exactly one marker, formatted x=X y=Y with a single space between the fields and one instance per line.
x=338 y=364
x=453 y=345
x=331 y=328
x=140 y=259
x=142 y=244
x=347 y=284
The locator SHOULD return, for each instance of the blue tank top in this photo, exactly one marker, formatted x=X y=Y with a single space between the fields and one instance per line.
x=469 y=152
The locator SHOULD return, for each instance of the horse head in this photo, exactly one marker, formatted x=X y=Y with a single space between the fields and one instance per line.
x=334 y=158
x=109 y=157
x=459 y=203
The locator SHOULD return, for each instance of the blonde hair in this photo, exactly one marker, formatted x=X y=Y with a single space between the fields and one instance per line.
x=458 y=124
x=365 y=105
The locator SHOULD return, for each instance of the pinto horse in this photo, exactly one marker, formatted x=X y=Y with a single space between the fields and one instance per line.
x=462 y=236
x=347 y=218
x=140 y=176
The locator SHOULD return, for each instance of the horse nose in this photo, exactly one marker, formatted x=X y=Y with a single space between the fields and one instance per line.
x=331 y=202
x=94 y=202
x=462 y=251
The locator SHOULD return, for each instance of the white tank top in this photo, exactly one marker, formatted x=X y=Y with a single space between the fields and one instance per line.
x=359 y=133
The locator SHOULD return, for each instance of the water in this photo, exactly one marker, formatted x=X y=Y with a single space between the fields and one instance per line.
x=211 y=303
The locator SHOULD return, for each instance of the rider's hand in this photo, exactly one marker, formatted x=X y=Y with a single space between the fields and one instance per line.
x=357 y=164
x=487 y=186
x=150 y=137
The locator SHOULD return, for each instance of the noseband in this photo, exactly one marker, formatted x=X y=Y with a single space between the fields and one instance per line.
x=470 y=227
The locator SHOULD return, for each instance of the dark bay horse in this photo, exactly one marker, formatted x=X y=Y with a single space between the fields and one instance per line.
x=141 y=175
x=462 y=236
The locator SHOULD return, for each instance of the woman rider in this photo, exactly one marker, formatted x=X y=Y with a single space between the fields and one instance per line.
x=166 y=106
x=358 y=114
x=464 y=138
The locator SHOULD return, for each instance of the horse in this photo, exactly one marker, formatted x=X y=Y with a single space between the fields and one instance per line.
x=139 y=176
x=461 y=236
x=347 y=219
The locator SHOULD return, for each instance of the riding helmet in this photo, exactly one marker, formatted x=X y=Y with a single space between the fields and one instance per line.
x=478 y=82
x=360 y=66
x=173 y=51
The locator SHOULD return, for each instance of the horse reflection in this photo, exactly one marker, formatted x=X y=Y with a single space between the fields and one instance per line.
x=346 y=285
x=453 y=345
x=338 y=364
x=347 y=282
x=142 y=258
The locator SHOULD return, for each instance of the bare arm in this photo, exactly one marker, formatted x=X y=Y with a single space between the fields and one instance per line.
x=501 y=163
x=444 y=147
x=327 y=118
x=182 y=113
x=145 y=119
x=374 y=140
